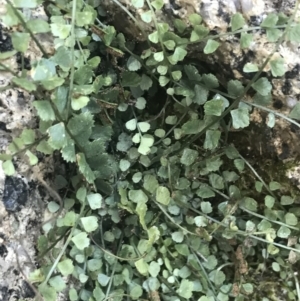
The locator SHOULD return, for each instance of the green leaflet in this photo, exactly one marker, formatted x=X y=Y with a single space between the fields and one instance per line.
x=47 y=292
x=185 y=289
x=270 y=20
x=163 y=195
x=211 y=46
x=24 y=83
x=57 y=136
x=146 y=16
x=188 y=157
x=28 y=136
x=89 y=223
x=66 y=267
x=193 y=126
x=278 y=67
x=38 y=26
x=62 y=57
x=57 y=283
x=246 y=40
x=60 y=30
x=68 y=151
x=262 y=86
x=240 y=118
x=141 y=210
x=82 y=123
x=81 y=241
x=130 y=79
x=8 y=168
x=195 y=19
x=44 y=110
x=20 y=41
x=237 y=21
x=84 y=168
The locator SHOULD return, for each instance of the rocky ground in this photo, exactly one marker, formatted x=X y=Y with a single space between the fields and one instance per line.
x=24 y=200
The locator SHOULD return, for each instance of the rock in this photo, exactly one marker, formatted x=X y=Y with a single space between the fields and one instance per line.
x=27 y=291
x=15 y=194
x=5 y=41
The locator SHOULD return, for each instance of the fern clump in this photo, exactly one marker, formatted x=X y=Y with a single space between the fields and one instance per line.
x=160 y=205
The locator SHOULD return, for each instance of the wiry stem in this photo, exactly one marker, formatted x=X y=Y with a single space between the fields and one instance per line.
x=27 y=29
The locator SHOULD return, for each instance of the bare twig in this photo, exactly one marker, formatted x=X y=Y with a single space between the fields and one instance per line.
x=39 y=296
x=52 y=192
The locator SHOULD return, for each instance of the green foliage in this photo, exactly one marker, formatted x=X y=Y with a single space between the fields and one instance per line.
x=211 y=46
x=237 y=21
x=159 y=205
x=20 y=41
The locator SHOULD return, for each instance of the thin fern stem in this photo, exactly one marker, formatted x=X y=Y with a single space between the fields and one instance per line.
x=28 y=30
x=72 y=71
x=137 y=23
x=273 y=112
